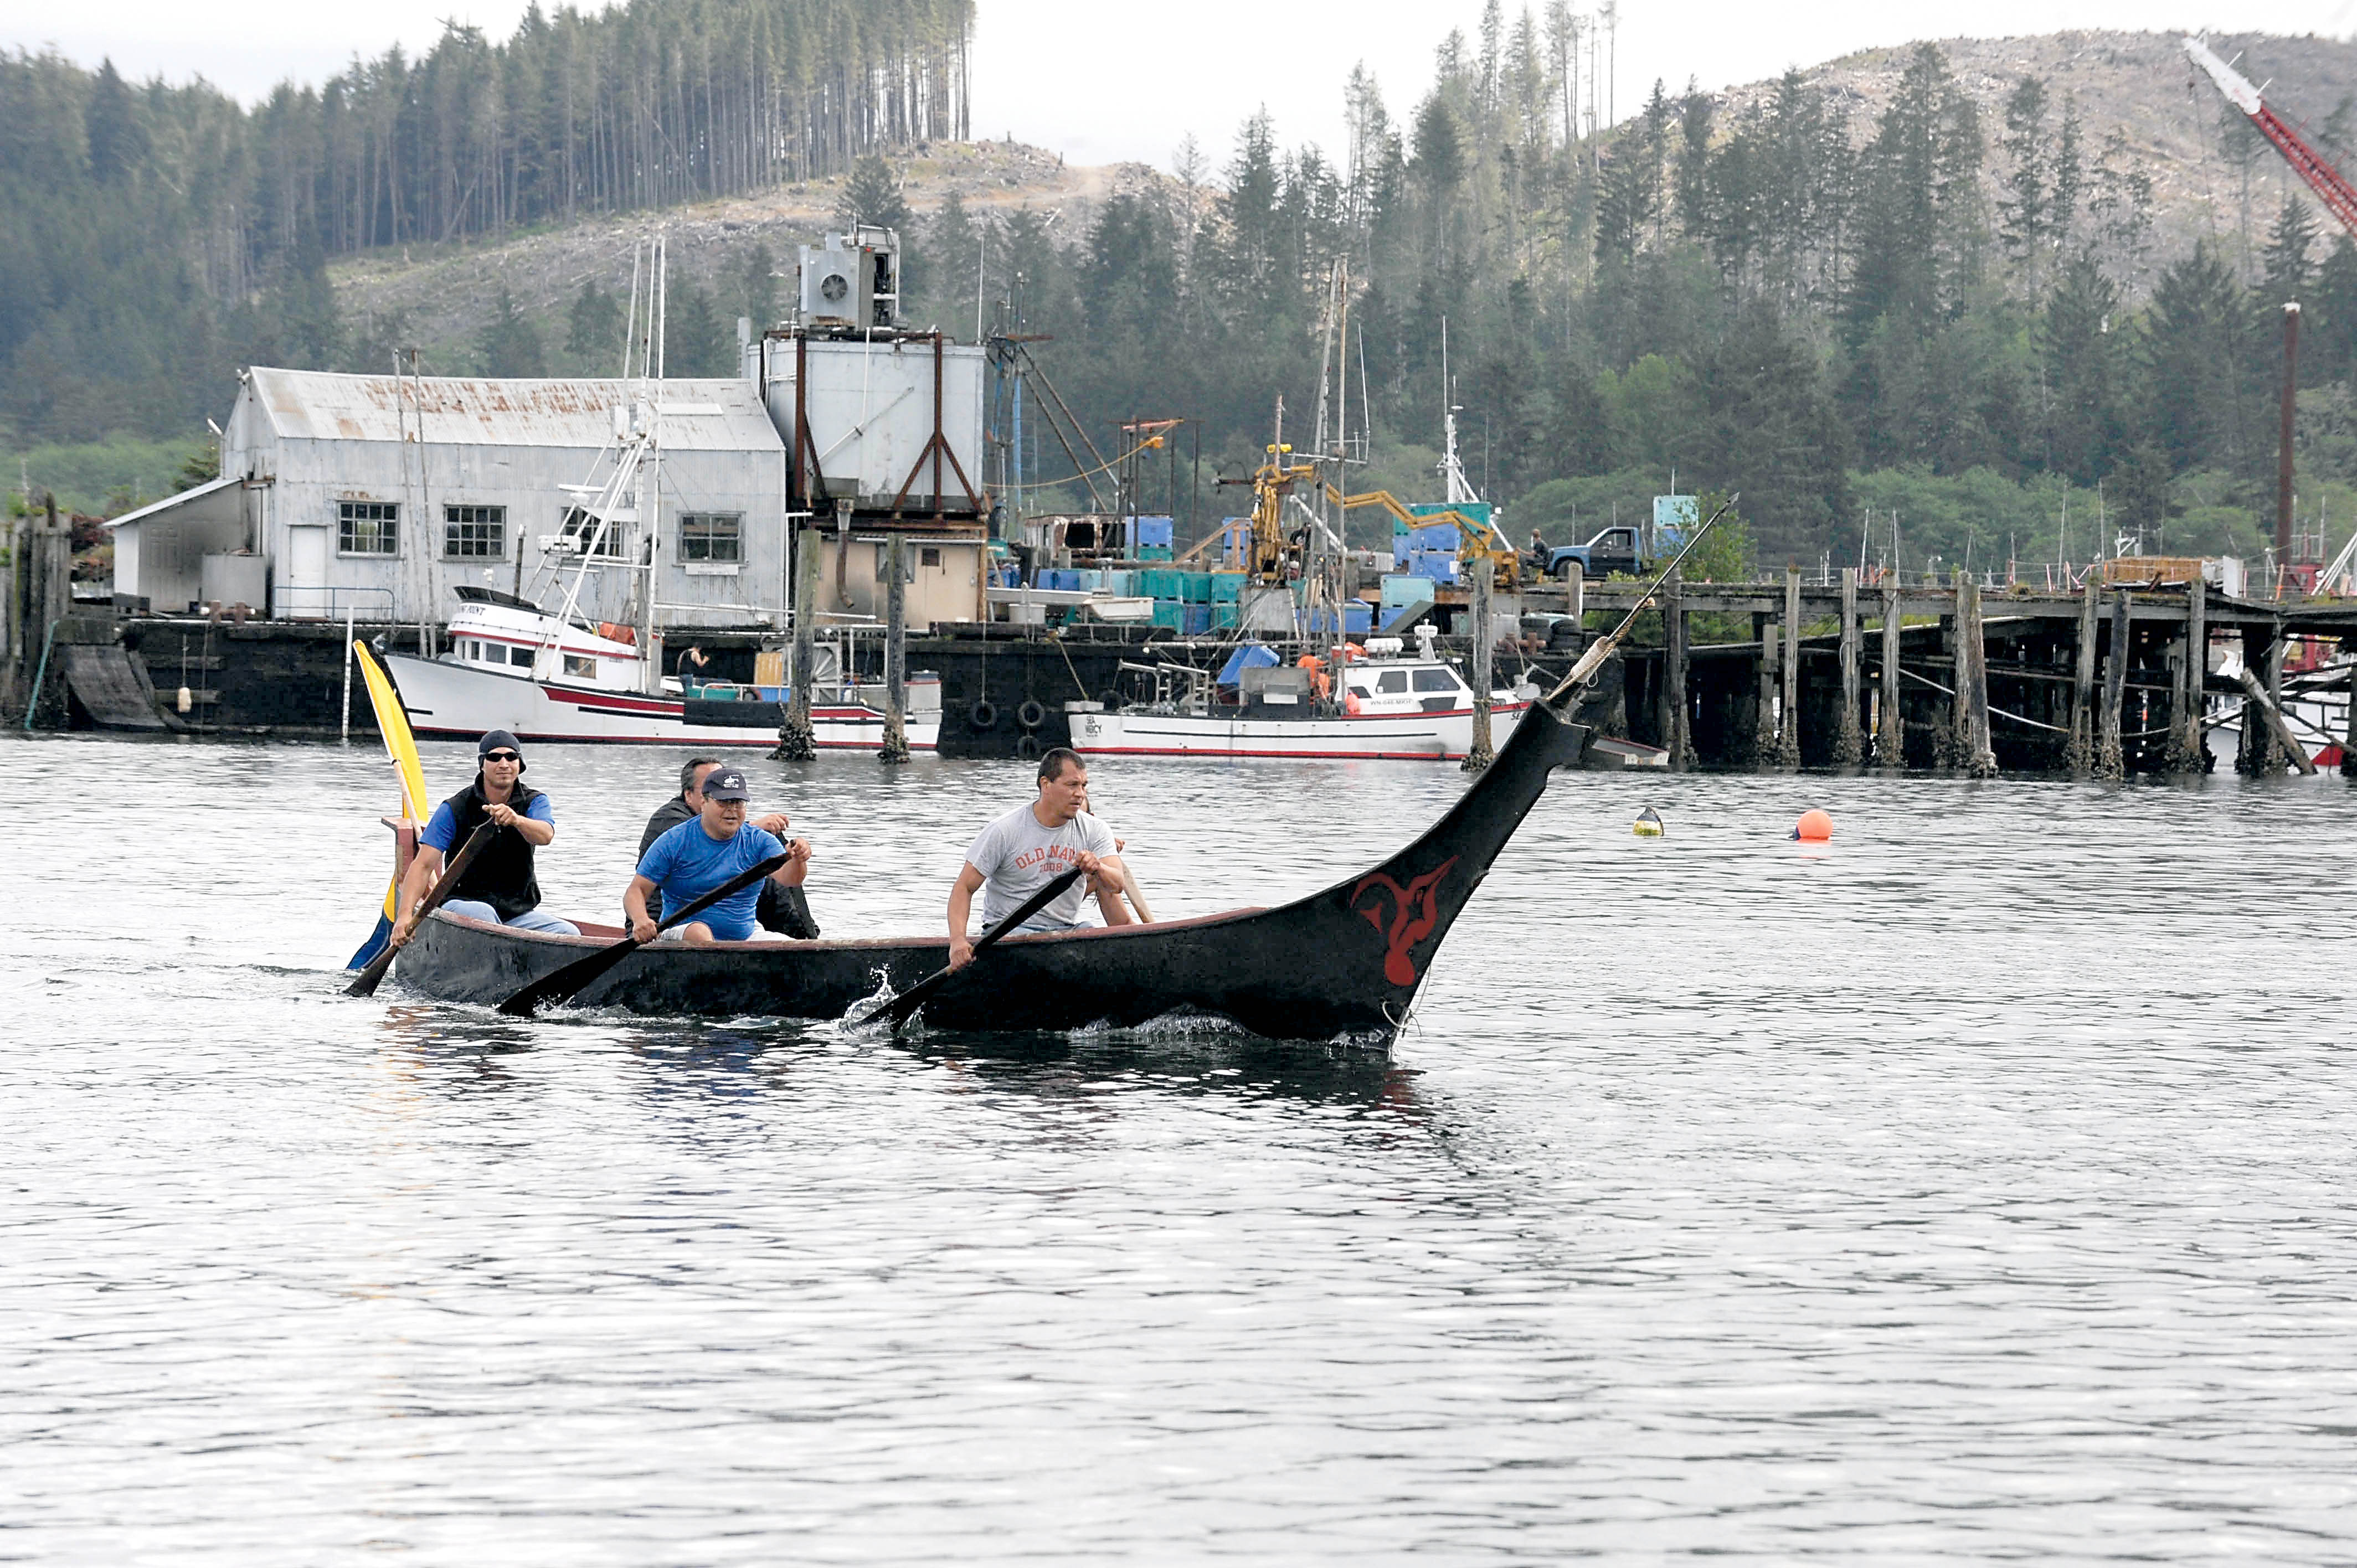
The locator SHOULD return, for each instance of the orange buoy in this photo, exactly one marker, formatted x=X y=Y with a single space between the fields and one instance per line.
x=1815 y=827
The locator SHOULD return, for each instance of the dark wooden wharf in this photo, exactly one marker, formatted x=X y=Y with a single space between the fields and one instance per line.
x=1960 y=676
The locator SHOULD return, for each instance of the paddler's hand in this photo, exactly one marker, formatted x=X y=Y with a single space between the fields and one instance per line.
x=961 y=952
x=1088 y=863
x=503 y=815
x=775 y=823
x=797 y=866
x=402 y=931
x=642 y=929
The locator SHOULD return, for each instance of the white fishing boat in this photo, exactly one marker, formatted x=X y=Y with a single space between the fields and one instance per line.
x=1386 y=704
x=512 y=667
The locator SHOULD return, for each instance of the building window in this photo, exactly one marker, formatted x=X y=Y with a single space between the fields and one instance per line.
x=929 y=555
x=582 y=532
x=368 y=528
x=711 y=536
x=580 y=667
x=475 y=532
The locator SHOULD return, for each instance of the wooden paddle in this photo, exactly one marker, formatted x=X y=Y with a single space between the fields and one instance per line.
x=564 y=985
x=365 y=982
x=901 y=1006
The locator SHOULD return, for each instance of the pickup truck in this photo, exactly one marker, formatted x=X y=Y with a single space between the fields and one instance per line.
x=1614 y=550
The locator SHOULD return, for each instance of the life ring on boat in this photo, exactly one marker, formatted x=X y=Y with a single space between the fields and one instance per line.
x=981 y=715
x=1027 y=748
x=1030 y=715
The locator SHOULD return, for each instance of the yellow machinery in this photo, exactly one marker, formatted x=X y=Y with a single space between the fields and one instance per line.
x=1271 y=483
x=1477 y=540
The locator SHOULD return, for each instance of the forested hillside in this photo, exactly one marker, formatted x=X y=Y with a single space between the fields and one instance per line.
x=157 y=235
x=2002 y=289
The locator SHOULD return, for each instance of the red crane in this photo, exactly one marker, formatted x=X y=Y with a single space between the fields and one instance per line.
x=2337 y=194
x=2322 y=178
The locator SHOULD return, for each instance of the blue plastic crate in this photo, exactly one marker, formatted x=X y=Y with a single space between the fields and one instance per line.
x=1152 y=532
x=1199 y=620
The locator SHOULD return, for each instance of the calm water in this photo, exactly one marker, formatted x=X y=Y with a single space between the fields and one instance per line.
x=1977 y=1186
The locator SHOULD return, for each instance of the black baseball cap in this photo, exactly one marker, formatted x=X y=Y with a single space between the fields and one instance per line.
x=726 y=784
x=499 y=740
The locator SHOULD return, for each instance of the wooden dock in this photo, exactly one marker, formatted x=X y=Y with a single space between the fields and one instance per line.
x=1960 y=676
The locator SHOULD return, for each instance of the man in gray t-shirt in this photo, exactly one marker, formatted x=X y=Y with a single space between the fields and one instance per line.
x=1016 y=855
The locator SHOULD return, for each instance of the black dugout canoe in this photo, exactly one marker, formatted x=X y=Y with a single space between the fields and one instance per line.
x=1345 y=962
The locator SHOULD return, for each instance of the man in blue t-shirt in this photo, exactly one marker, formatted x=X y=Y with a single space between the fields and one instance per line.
x=697 y=857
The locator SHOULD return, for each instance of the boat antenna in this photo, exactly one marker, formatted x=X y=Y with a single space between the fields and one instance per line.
x=1603 y=647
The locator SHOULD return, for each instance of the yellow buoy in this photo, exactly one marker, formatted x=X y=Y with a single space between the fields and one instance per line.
x=1649 y=824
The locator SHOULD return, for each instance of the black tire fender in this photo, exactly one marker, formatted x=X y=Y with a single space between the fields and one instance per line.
x=983 y=715
x=1030 y=715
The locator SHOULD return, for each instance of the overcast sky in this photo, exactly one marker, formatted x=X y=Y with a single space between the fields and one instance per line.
x=1098 y=83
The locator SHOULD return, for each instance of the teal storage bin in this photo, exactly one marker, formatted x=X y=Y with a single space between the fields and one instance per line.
x=1154 y=553
x=1195 y=588
x=1226 y=586
x=1226 y=615
x=1170 y=613
x=1159 y=582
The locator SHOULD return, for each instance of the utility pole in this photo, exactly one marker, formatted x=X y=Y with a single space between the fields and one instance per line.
x=2283 y=452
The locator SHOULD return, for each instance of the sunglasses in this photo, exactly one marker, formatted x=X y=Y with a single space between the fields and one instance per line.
x=501 y=756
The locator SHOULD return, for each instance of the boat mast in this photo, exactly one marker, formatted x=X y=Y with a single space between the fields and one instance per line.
x=650 y=489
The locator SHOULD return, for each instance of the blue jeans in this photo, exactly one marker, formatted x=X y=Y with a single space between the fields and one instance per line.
x=530 y=920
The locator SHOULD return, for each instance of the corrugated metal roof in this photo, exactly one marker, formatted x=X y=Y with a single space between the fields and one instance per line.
x=174 y=503
x=724 y=415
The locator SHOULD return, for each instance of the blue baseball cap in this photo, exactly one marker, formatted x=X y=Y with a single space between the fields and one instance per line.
x=726 y=784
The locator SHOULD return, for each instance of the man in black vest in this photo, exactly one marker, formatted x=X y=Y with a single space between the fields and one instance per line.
x=499 y=885
x=785 y=911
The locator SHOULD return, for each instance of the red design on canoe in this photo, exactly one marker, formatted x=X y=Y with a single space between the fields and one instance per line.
x=1415 y=910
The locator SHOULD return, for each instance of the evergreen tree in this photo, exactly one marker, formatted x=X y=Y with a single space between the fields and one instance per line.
x=2083 y=366
x=696 y=342
x=872 y=196
x=2284 y=268
x=2199 y=361
x=118 y=140
x=2329 y=330
x=1770 y=432
x=2141 y=495
x=508 y=344
x=753 y=284
x=593 y=331
x=2027 y=205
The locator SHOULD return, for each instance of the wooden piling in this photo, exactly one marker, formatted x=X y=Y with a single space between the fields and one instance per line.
x=1481 y=753
x=1848 y=744
x=2281 y=747
x=1788 y=732
x=1972 y=681
x=1574 y=588
x=2079 y=754
x=797 y=741
x=2349 y=739
x=2192 y=699
x=2270 y=713
x=1762 y=750
x=2110 y=759
x=896 y=654
x=1676 y=737
x=1889 y=724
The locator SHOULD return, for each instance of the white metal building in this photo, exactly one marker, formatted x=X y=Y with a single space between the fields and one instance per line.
x=382 y=493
